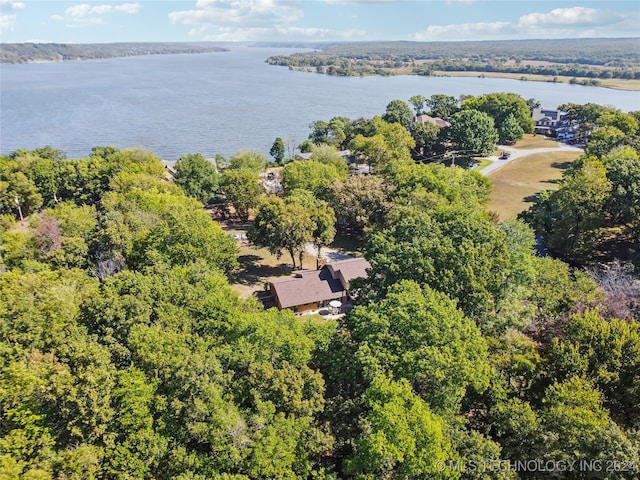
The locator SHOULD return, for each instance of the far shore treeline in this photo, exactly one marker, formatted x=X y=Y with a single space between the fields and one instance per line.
x=62 y=52
x=601 y=58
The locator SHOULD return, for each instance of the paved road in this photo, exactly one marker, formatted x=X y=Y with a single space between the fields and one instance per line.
x=496 y=163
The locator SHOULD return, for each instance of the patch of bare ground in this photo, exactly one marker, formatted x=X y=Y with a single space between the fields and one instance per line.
x=257 y=266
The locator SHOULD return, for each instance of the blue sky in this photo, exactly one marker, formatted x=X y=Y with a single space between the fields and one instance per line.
x=104 y=21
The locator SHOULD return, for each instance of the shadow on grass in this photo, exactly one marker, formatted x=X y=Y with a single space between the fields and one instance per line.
x=252 y=272
x=531 y=198
x=561 y=165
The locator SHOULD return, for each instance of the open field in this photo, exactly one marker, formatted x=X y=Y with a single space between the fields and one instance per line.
x=614 y=83
x=535 y=141
x=516 y=184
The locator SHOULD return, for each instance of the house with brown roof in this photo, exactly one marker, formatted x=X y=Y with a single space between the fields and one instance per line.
x=427 y=119
x=314 y=289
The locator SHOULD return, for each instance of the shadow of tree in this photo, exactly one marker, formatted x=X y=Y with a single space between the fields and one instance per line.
x=251 y=271
x=561 y=165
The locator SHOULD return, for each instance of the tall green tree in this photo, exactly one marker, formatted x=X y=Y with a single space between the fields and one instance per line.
x=277 y=150
x=500 y=105
x=281 y=226
x=398 y=112
x=185 y=235
x=442 y=106
x=322 y=216
x=328 y=155
x=473 y=133
x=454 y=251
x=418 y=334
x=197 y=177
x=510 y=131
x=248 y=159
x=623 y=170
x=241 y=187
x=570 y=218
x=418 y=102
x=311 y=175
x=402 y=437
x=360 y=201
x=427 y=137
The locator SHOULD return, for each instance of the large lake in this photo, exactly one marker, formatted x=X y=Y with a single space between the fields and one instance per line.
x=217 y=103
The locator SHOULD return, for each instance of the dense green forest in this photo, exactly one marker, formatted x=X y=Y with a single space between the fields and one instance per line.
x=126 y=353
x=592 y=58
x=59 y=52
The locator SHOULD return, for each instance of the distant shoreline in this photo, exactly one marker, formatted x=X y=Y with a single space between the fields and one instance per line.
x=21 y=53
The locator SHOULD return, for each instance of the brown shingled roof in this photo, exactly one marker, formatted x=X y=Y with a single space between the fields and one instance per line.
x=307 y=287
x=319 y=285
x=347 y=270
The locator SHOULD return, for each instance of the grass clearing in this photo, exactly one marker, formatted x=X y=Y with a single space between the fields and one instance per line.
x=530 y=141
x=516 y=185
x=258 y=266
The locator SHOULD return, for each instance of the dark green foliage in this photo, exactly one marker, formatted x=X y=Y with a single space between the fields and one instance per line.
x=502 y=107
x=398 y=112
x=241 y=187
x=418 y=334
x=459 y=253
x=570 y=218
x=197 y=177
x=473 y=133
x=510 y=131
x=277 y=150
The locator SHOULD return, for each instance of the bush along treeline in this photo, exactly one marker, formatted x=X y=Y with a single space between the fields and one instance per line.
x=127 y=354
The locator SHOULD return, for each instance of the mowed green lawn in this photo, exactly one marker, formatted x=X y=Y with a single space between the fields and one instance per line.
x=516 y=184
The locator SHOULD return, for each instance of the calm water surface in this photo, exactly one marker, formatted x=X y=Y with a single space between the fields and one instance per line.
x=216 y=103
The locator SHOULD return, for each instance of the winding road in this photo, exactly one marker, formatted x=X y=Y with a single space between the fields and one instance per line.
x=497 y=164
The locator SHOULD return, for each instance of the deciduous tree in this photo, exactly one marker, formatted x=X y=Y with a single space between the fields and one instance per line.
x=241 y=187
x=197 y=177
x=398 y=112
x=473 y=133
x=277 y=150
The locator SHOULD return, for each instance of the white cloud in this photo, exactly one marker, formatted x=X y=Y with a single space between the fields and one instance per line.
x=240 y=34
x=130 y=8
x=241 y=20
x=579 y=22
x=571 y=22
x=85 y=13
x=360 y=3
x=564 y=16
x=247 y=13
x=9 y=15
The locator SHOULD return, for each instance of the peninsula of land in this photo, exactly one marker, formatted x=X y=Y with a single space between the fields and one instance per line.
x=61 y=52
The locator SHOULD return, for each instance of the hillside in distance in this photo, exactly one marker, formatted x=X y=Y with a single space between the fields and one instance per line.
x=586 y=57
x=61 y=52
